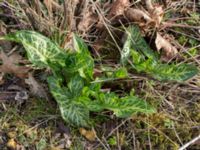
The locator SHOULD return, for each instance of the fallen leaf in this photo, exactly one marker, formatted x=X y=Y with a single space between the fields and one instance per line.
x=4 y=44
x=157 y=15
x=88 y=134
x=89 y=18
x=11 y=144
x=150 y=18
x=118 y=8
x=11 y=65
x=137 y=15
x=169 y=50
x=36 y=88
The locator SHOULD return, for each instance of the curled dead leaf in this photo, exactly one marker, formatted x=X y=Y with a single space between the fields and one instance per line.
x=11 y=65
x=35 y=87
x=89 y=19
x=157 y=15
x=88 y=134
x=168 y=49
x=152 y=18
x=137 y=15
x=118 y=8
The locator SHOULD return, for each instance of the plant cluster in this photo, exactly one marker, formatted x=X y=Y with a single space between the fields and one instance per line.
x=72 y=82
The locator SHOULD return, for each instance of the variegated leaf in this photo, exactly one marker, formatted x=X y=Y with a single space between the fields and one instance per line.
x=42 y=52
x=145 y=61
x=122 y=107
x=72 y=109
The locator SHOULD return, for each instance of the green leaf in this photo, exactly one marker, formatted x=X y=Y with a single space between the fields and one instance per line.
x=61 y=94
x=122 y=107
x=138 y=43
x=125 y=53
x=79 y=45
x=76 y=85
x=180 y=72
x=120 y=73
x=75 y=113
x=110 y=73
x=42 y=52
x=72 y=109
x=70 y=84
x=145 y=61
x=83 y=60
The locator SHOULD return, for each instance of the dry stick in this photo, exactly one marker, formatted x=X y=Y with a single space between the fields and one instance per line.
x=170 y=24
x=190 y=142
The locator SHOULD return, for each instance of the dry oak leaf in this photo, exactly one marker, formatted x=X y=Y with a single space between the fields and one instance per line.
x=35 y=87
x=137 y=15
x=89 y=19
x=157 y=15
x=11 y=65
x=88 y=134
x=118 y=8
x=168 y=49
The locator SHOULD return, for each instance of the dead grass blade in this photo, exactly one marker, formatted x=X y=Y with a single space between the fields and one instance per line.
x=11 y=65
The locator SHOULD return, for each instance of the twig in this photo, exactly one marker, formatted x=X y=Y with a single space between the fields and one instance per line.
x=171 y=24
x=190 y=142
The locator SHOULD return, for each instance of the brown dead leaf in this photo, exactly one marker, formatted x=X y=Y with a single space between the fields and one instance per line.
x=168 y=49
x=157 y=15
x=137 y=15
x=11 y=65
x=89 y=19
x=88 y=134
x=36 y=88
x=6 y=45
x=118 y=8
x=146 y=19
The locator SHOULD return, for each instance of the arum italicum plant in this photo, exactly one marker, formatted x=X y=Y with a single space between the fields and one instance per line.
x=72 y=83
